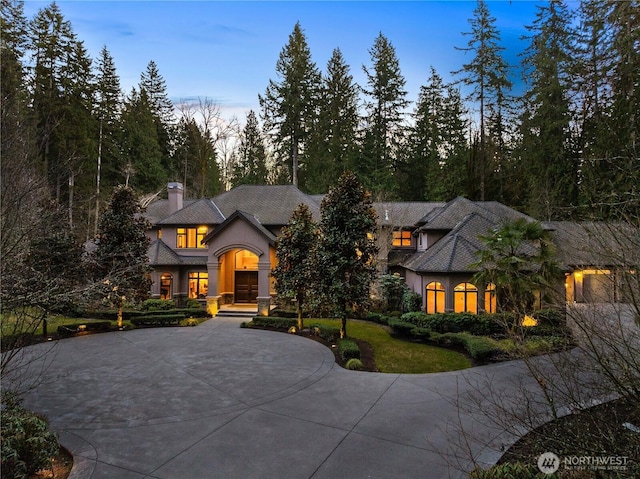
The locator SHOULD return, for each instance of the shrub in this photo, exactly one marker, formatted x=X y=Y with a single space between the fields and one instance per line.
x=67 y=329
x=192 y=304
x=328 y=333
x=411 y=301
x=27 y=444
x=419 y=318
x=348 y=349
x=354 y=364
x=189 y=322
x=478 y=347
x=478 y=324
x=420 y=333
x=158 y=304
x=403 y=328
x=283 y=313
x=274 y=322
x=158 y=319
x=550 y=317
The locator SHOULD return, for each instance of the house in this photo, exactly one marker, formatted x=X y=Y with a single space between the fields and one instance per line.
x=221 y=250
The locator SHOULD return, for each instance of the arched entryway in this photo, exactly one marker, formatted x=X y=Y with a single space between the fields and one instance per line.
x=245 y=265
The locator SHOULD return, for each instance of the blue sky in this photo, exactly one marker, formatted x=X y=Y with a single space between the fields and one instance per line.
x=227 y=51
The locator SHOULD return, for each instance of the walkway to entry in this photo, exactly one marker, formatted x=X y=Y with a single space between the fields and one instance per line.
x=220 y=401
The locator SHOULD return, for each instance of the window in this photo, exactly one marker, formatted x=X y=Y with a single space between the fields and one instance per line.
x=435 y=298
x=165 y=285
x=490 y=298
x=159 y=234
x=401 y=238
x=465 y=298
x=198 y=285
x=191 y=237
x=246 y=260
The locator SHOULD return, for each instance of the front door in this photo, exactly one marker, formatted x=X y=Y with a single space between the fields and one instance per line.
x=246 y=290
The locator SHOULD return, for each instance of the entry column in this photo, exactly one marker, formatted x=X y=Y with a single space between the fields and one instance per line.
x=213 y=298
x=264 y=287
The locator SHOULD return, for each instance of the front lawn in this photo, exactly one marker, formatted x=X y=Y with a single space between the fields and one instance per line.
x=397 y=356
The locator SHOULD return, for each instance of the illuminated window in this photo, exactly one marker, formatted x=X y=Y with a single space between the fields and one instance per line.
x=465 y=298
x=166 y=281
x=191 y=237
x=159 y=234
x=435 y=298
x=198 y=285
x=246 y=260
x=490 y=298
x=401 y=238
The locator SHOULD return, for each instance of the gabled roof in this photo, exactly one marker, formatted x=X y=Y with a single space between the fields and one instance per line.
x=447 y=217
x=158 y=210
x=595 y=244
x=160 y=254
x=241 y=216
x=405 y=214
x=270 y=204
x=201 y=212
x=456 y=251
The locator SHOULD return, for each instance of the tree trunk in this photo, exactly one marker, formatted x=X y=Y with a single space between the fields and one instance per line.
x=95 y=230
x=120 y=316
x=300 y=321
x=294 y=165
x=343 y=326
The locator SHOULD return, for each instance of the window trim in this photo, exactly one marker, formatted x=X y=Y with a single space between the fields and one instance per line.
x=401 y=238
x=188 y=237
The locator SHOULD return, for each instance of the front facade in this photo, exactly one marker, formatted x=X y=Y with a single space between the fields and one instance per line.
x=220 y=251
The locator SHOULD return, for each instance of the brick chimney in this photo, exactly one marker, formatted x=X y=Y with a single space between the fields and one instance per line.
x=175 y=193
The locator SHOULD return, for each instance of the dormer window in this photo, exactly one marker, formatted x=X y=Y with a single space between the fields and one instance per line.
x=191 y=237
x=401 y=238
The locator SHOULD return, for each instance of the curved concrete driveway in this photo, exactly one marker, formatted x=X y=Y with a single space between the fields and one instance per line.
x=219 y=401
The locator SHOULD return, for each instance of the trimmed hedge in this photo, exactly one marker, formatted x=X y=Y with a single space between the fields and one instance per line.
x=477 y=324
x=403 y=328
x=273 y=322
x=348 y=349
x=112 y=314
x=65 y=329
x=158 y=304
x=283 y=313
x=478 y=347
x=158 y=320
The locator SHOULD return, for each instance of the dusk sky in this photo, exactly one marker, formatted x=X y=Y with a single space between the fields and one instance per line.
x=227 y=51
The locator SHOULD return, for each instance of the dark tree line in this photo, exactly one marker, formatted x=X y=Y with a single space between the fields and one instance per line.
x=565 y=148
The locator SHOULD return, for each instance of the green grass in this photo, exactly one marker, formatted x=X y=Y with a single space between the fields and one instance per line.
x=397 y=356
x=53 y=321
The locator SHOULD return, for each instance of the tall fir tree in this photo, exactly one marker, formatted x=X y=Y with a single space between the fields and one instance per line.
x=289 y=104
x=141 y=146
x=487 y=74
x=251 y=162
x=436 y=170
x=334 y=142
x=196 y=156
x=381 y=155
x=163 y=112
x=108 y=107
x=549 y=163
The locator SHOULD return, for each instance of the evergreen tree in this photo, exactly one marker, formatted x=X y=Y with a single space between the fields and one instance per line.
x=381 y=156
x=550 y=166
x=289 y=104
x=107 y=111
x=487 y=73
x=347 y=247
x=162 y=109
x=140 y=144
x=295 y=271
x=334 y=143
x=120 y=259
x=436 y=170
x=251 y=163
x=196 y=153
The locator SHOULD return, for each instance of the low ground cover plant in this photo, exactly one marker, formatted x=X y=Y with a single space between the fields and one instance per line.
x=27 y=443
